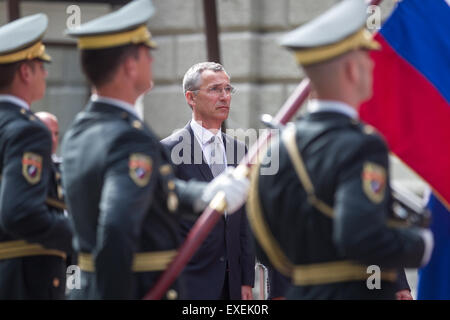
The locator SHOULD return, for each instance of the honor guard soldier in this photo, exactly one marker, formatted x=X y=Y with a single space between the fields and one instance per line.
x=119 y=181
x=34 y=234
x=324 y=218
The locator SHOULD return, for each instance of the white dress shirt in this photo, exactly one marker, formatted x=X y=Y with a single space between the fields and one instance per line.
x=116 y=103
x=332 y=106
x=14 y=100
x=204 y=137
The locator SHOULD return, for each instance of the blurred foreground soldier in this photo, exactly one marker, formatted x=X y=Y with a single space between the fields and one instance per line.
x=119 y=181
x=323 y=219
x=34 y=236
x=278 y=284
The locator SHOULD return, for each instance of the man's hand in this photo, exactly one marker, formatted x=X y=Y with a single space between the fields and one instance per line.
x=403 y=295
x=246 y=293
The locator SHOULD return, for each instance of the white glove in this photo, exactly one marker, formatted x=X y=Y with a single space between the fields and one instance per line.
x=236 y=190
x=428 y=239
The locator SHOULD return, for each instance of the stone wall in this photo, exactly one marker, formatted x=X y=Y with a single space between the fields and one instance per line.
x=67 y=90
x=263 y=72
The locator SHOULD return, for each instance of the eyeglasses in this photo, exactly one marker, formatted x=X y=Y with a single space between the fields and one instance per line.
x=217 y=91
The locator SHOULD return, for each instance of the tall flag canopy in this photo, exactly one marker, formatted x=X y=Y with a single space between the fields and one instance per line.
x=411 y=99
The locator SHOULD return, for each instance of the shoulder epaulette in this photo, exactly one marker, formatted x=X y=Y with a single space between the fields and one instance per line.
x=135 y=123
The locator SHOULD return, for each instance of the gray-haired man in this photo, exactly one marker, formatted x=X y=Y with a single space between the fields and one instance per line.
x=223 y=267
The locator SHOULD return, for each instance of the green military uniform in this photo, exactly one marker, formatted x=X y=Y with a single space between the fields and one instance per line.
x=119 y=181
x=34 y=236
x=325 y=218
x=121 y=192
x=330 y=236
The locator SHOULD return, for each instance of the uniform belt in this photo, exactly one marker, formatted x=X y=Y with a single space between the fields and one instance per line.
x=142 y=261
x=57 y=204
x=21 y=248
x=333 y=272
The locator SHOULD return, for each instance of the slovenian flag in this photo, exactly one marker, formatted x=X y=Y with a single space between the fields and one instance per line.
x=434 y=278
x=411 y=98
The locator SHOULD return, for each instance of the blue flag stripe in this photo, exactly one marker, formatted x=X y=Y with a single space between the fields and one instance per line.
x=434 y=278
x=419 y=31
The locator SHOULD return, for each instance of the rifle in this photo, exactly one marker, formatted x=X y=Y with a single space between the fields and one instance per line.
x=407 y=206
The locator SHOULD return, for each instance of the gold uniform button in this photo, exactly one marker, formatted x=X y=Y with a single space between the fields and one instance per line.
x=137 y=124
x=32 y=118
x=171 y=185
x=60 y=192
x=23 y=111
x=56 y=282
x=172 y=294
x=369 y=129
x=172 y=202
x=165 y=169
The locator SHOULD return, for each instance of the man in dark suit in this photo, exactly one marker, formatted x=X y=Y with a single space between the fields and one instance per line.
x=325 y=218
x=118 y=179
x=224 y=266
x=35 y=236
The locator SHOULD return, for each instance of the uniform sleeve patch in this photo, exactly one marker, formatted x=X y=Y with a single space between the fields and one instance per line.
x=32 y=167
x=374 y=181
x=140 y=166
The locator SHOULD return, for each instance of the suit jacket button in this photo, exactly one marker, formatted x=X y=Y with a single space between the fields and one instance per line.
x=222 y=259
